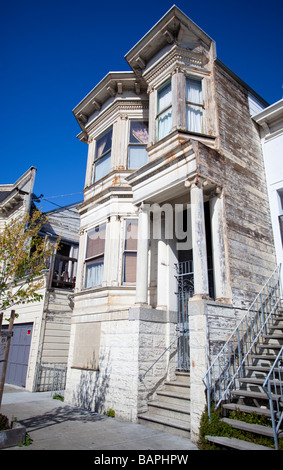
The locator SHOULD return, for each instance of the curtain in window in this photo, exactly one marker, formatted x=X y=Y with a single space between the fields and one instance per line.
x=137 y=144
x=139 y=132
x=95 y=250
x=94 y=272
x=194 y=112
x=130 y=267
x=103 y=144
x=130 y=256
x=164 y=118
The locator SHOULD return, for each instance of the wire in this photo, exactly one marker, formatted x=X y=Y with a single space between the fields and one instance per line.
x=63 y=195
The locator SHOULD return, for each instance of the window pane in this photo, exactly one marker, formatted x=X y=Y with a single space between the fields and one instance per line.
x=138 y=132
x=131 y=236
x=103 y=166
x=96 y=242
x=194 y=118
x=130 y=264
x=164 y=97
x=193 y=91
x=103 y=144
x=138 y=156
x=164 y=124
x=94 y=272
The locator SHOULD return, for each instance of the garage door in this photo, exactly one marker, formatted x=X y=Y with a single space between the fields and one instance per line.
x=19 y=354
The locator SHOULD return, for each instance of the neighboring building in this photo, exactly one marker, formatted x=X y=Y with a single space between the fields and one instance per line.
x=175 y=189
x=271 y=123
x=41 y=333
x=16 y=198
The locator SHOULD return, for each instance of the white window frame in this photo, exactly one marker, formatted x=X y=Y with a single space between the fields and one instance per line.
x=128 y=251
x=199 y=105
x=94 y=258
x=104 y=155
x=164 y=110
x=136 y=144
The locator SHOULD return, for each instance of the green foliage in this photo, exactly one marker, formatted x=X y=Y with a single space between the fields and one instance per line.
x=216 y=427
x=27 y=442
x=56 y=396
x=4 y=423
x=110 y=413
x=213 y=427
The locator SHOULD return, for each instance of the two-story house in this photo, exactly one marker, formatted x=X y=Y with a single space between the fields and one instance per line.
x=173 y=246
x=41 y=333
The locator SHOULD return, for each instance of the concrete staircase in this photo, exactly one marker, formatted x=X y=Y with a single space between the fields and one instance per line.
x=250 y=397
x=170 y=410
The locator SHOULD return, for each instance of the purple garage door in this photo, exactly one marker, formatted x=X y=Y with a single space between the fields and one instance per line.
x=18 y=355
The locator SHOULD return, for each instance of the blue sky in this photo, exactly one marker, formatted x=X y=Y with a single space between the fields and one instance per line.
x=54 y=52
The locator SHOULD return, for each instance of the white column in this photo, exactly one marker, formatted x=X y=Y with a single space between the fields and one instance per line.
x=162 y=270
x=218 y=249
x=142 y=256
x=199 y=241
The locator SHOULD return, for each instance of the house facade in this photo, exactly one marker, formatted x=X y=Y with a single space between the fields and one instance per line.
x=41 y=333
x=175 y=227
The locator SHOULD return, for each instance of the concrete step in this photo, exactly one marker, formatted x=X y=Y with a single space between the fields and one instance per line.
x=169 y=410
x=182 y=376
x=237 y=444
x=248 y=427
x=176 y=386
x=163 y=423
x=173 y=397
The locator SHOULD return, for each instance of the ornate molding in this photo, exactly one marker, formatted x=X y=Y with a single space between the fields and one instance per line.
x=184 y=58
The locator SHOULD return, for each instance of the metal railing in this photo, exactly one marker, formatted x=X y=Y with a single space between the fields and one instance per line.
x=63 y=272
x=50 y=377
x=229 y=365
x=273 y=387
x=141 y=377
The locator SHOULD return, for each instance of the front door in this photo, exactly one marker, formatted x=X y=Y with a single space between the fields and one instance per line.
x=185 y=290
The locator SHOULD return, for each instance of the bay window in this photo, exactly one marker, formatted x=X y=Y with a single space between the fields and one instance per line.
x=194 y=105
x=95 y=256
x=137 y=144
x=102 y=158
x=130 y=251
x=164 y=110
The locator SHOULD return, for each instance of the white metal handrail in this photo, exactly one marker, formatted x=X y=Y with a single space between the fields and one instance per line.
x=229 y=365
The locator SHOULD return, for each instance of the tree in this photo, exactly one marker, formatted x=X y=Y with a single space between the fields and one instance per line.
x=23 y=257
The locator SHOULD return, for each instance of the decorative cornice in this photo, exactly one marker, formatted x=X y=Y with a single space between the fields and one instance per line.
x=118 y=108
x=182 y=59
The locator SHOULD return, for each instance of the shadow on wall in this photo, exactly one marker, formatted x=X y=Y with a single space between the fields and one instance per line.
x=92 y=389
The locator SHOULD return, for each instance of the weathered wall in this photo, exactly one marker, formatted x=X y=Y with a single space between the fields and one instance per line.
x=249 y=232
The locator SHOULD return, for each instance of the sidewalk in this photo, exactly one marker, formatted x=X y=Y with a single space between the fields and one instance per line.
x=55 y=425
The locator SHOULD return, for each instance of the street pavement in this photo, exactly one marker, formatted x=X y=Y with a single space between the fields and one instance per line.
x=56 y=425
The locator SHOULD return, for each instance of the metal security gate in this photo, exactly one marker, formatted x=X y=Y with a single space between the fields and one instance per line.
x=185 y=290
x=50 y=377
x=18 y=355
